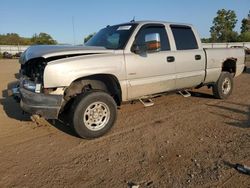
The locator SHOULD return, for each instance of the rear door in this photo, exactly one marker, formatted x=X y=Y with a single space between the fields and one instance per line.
x=189 y=57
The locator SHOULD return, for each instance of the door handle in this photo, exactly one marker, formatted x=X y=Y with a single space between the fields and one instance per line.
x=170 y=59
x=197 y=57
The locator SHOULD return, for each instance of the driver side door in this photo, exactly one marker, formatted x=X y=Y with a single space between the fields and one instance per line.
x=150 y=72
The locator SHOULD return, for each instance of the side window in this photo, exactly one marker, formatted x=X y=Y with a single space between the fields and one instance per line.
x=184 y=37
x=141 y=37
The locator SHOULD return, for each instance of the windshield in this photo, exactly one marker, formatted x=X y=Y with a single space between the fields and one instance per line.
x=112 y=37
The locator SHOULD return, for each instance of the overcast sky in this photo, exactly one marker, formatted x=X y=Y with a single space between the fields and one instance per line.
x=27 y=17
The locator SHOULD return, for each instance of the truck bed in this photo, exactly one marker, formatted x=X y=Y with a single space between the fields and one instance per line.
x=217 y=56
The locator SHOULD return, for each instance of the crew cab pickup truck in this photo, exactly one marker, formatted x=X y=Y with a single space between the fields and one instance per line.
x=125 y=62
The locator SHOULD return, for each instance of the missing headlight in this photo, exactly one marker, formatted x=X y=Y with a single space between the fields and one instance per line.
x=32 y=86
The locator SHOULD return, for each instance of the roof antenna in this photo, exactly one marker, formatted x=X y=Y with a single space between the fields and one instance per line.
x=133 y=20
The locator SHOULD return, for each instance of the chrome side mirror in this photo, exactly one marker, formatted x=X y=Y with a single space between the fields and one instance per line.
x=153 y=42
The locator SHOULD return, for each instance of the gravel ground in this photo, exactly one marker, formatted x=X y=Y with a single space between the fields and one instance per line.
x=179 y=142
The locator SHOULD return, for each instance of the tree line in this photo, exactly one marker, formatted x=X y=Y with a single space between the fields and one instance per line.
x=223 y=27
x=15 y=39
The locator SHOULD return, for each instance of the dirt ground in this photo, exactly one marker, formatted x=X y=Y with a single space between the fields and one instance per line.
x=179 y=142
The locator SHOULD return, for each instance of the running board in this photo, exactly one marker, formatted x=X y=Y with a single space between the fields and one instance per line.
x=147 y=102
x=185 y=93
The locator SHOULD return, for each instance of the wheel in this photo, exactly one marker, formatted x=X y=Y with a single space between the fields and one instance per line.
x=223 y=88
x=94 y=114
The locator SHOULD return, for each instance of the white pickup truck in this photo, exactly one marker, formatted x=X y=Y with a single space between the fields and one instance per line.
x=125 y=62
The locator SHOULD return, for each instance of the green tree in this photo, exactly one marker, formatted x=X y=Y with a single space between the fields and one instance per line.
x=245 y=29
x=223 y=25
x=245 y=24
x=245 y=37
x=42 y=38
x=86 y=39
x=11 y=39
x=205 y=40
x=26 y=41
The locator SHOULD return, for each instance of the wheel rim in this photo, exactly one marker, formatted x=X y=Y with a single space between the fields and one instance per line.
x=226 y=86
x=96 y=116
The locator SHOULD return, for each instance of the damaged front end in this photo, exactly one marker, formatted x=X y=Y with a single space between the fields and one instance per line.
x=31 y=74
x=36 y=96
x=32 y=95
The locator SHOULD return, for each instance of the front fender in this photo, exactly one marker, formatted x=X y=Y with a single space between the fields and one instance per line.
x=61 y=73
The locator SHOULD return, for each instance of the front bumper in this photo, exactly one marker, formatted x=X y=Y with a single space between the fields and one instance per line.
x=47 y=106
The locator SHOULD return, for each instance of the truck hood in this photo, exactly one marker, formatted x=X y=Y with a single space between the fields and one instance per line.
x=58 y=52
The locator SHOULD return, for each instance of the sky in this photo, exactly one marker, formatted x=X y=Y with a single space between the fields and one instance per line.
x=56 y=17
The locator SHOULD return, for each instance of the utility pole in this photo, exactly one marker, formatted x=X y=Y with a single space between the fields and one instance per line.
x=73 y=27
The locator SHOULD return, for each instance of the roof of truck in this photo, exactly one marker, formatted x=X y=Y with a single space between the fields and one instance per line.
x=157 y=22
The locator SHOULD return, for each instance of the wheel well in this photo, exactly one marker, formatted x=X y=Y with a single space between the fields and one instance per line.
x=229 y=65
x=105 y=82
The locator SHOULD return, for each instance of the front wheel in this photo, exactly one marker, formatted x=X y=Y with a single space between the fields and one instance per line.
x=223 y=88
x=94 y=113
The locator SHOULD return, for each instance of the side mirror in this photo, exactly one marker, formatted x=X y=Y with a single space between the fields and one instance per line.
x=153 y=42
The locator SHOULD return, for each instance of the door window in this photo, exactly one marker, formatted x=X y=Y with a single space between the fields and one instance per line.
x=184 y=37
x=141 y=37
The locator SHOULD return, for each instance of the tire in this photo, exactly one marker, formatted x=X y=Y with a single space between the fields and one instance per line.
x=86 y=121
x=223 y=88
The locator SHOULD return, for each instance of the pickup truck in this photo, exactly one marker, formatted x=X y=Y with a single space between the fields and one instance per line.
x=121 y=63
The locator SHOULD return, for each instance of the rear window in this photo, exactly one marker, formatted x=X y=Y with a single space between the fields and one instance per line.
x=184 y=37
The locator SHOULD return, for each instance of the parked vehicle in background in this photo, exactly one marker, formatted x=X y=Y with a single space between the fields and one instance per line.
x=18 y=55
x=7 y=55
x=125 y=62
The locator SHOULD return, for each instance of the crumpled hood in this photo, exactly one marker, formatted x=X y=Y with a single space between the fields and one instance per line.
x=47 y=51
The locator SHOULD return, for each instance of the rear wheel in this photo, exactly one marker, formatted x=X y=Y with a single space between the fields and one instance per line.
x=223 y=88
x=94 y=113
